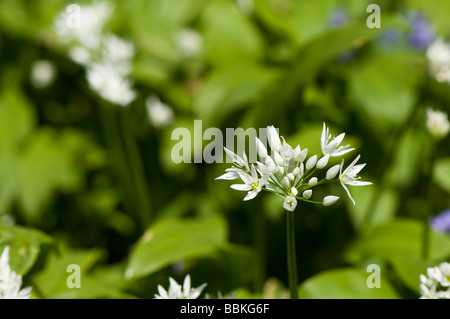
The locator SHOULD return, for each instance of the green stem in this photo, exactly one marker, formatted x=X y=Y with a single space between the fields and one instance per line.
x=114 y=145
x=291 y=258
x=260 y=244
x=137 y=171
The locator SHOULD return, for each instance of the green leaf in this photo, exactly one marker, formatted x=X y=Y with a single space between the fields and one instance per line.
x=347 y=283
x=384 y=88
x=307 y=64
x=441 y=173
x=227 y=89
x=229 y=37
x=52 y=280
x=399 y=238
x=411 y=153
x=170 y=240
x=25 y=246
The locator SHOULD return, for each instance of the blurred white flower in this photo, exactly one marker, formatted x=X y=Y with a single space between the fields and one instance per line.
x=189 y=42
x=110 y=85
x=159 y=114
x=175 y=290
x=43 y=73
x=119 y=53
x=92 y=19
x=348 y=176
x=247 y=6
x=438 y=54
x=436 y=284
x=80 y=55
x=437 y=123
x=10 y=282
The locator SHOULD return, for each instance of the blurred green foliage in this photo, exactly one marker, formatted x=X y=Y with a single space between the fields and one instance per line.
x=86 y=182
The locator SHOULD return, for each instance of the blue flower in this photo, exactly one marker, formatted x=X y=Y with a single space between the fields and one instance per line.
x=441 y=222
x=422 y=33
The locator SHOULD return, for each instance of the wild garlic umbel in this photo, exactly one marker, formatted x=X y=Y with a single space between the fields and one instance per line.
x=289 y=173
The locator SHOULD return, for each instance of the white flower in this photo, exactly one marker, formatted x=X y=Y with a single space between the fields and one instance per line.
x=332 y=172
x=348 y=176
x=437 y=123
x=438 y=54
x=189 y=42
x=307 y=194
x=159 y=114
x=253 y=184
x=323 y=161
x=87 y=30
x=274 y=138
x=331 y=148
x=436 y=285
x=329 y=200
x=118 y=52
x=175 y=290
x=80 y=55
x=43 y=73
x=290 y=203
x=110 y=85
x=10 y=282
x=247 y=6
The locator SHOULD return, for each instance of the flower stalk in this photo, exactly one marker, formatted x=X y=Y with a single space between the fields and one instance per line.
x=291 y=255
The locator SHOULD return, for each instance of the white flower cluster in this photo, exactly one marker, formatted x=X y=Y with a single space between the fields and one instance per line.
x=107 y=57
x=175 y=290
x=288 y=173
x=438 y=54
x=437 y=123
x=436 y=284
x=10 y=282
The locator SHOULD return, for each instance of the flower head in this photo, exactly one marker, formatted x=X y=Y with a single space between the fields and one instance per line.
x=189 y=42
x=160 y=114
x=436 y=284
x=348 y=176
x=287 y=172
x=438 y=55
x=175 y=290
x=10 y=282
x=437 y=123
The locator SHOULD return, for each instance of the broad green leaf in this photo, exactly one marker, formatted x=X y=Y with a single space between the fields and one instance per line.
x=170 y=240
x=307 y=64
x=347 y=283
x=441 y=173
x=399 y=238
x=408 y=161
x=228 y=89
x=25 y=246
x=229 y=37
x=384 y=87
x=52 y=280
